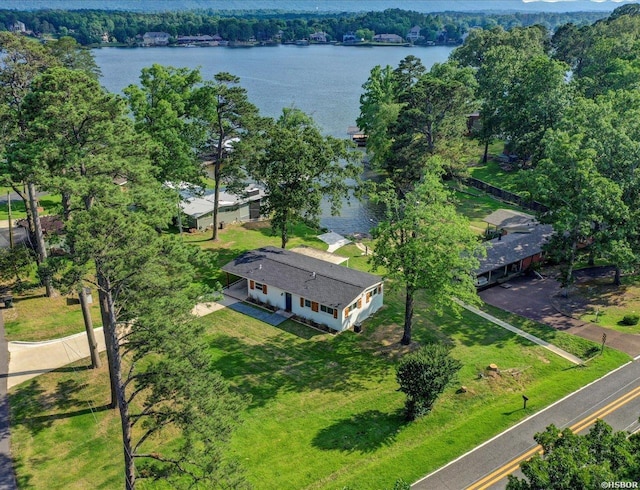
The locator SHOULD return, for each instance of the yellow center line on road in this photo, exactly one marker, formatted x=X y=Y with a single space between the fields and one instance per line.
x=497 y=475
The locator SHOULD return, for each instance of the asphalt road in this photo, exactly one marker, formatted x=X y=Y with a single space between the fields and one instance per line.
x=19 y=235
x=473 y=469
x=7 y=477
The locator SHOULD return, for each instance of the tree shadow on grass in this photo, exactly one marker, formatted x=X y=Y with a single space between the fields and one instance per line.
x=14 y=468
x=36 y=409
x=364 y=432
x=297 y=230
x=472 y=331
x=287 y=364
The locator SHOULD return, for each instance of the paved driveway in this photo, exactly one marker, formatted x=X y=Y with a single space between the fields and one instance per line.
x=531 y=297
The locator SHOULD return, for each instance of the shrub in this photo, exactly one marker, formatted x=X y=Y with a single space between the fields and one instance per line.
x=630 y=319
x=423 y=375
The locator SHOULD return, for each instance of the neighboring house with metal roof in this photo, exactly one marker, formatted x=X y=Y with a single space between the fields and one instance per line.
x=314 y=290
x=233 y=208
x=511 y=254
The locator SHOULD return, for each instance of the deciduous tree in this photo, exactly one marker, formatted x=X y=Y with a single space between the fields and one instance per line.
x=425 y=245
x=299 y=167
x=585 y=207
x=573 y=461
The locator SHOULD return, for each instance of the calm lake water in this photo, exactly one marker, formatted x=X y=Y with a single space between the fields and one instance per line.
x=323 y=81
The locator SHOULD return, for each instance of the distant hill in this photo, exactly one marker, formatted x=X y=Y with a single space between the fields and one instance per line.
x=319 y=5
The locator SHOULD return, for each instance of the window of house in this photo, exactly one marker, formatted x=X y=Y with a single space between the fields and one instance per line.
x=307 y=303
x=326 y=309
x=258 y=286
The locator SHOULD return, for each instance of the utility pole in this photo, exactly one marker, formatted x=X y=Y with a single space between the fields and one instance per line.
x=11 y=244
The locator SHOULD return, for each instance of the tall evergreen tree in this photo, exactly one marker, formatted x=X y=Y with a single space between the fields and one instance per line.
x=225 y=118
x=160 y=376
x=162 y=108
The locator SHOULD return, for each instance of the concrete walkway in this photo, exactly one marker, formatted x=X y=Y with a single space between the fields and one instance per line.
x=521 y=333
x=268 y=317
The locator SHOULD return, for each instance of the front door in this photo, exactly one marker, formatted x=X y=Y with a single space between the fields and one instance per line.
x=287 y=301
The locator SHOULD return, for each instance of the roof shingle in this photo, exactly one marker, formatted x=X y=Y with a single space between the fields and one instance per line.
x=317 y=280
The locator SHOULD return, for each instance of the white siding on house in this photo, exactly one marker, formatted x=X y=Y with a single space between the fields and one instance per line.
x=273 y=296
x=370 y=301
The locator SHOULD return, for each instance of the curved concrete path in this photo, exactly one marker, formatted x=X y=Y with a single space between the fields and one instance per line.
x=30 y=359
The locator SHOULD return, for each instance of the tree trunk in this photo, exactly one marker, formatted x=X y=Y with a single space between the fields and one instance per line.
x=216 y=195
x=104 y=312
x=408 y=316
x=41 y=251
x=616 y=278
x=27 y=207
x=88 y=325
x=485 y=156
x=284 y=237
x=569 y=274
x=123 y=407
x=66 y=206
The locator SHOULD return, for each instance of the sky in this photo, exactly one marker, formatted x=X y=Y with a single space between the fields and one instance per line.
x=322 y=5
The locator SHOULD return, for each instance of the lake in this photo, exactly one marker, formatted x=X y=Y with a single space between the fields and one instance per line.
x=323 y=81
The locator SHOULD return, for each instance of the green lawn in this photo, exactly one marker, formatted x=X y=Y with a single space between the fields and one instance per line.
x=582 y=348
x=477 y=205
x=324 y=410
x=35 y=317
x=49 y=204
x=493 y=174
x=606 y=304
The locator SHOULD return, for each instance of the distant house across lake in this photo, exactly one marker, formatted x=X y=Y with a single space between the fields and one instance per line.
x=414 y=34
x=318 y=37
x=349 y=37
x=387 y=38
x=155 y=39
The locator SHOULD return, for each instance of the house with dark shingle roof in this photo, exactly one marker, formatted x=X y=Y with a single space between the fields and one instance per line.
x=511 y=254
x=315 y=290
